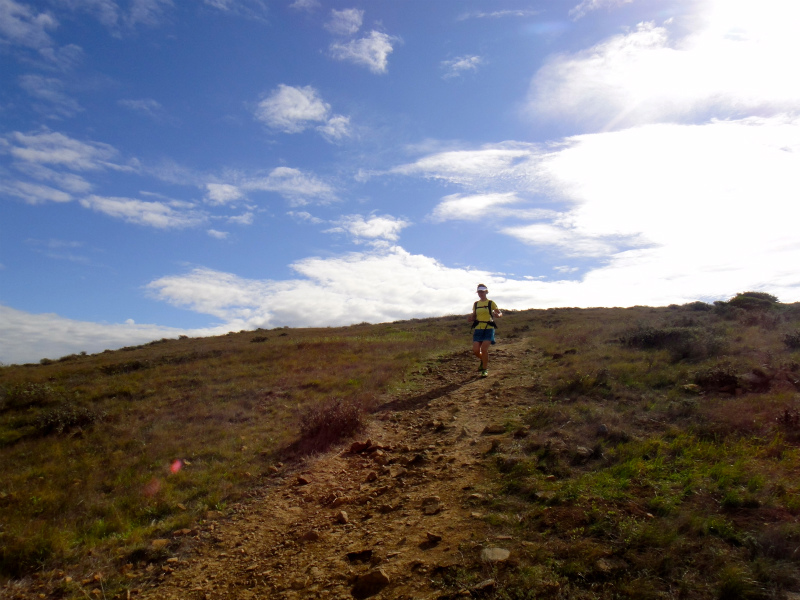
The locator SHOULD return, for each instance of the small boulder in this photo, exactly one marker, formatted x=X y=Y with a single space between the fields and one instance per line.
x=495 y=555
x=370 y=584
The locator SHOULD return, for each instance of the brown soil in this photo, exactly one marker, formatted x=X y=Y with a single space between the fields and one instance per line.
x=401 y=518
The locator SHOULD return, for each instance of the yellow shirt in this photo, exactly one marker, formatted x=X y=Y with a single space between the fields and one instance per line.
x=483 y=313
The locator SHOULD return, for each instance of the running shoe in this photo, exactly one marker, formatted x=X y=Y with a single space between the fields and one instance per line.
x=484 y=372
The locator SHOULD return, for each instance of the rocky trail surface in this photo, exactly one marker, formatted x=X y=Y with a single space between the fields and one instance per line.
x=397 y=514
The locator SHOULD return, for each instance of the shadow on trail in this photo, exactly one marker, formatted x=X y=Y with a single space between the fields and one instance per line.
x=420 y=400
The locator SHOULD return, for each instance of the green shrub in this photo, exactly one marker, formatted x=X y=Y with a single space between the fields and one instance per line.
x=717 y=378
x=27 y=395
x=699 y=306
x=691 y=343
x=753 y=301
x=65 y=418
x=20 y=554
x=792 y=340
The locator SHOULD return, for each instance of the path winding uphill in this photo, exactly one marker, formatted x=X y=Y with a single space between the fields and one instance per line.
x=392 y=516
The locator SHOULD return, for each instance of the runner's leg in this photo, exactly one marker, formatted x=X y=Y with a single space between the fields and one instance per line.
x=476 y=350
x=484 y=353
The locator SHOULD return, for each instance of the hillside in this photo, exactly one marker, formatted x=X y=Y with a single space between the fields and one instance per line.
x=642 y=452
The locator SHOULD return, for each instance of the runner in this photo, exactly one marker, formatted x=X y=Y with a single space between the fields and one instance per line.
x=484 y=311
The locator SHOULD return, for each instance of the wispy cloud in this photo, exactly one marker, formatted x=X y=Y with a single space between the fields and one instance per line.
x=500 y=167
x=222 y=193
x=372 y=229
x=371 y=51
x=250 y=9
x=458 y=66
x=60 y=249
x=305 y=217
x=587 y=6
x=294 y=185
x=152 y=214
x=146 y=12
x=471 y=208
x=22 y=25
x=336 y=128
x=345 y=22
x=307 y=5
x=499 y=14
x=293 y=110
x=216 y=234
x=50 y=90
x=57 y=149
x=33 y=193
x=145 y=106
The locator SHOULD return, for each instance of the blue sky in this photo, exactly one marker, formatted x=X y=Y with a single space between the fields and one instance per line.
x=195 y=168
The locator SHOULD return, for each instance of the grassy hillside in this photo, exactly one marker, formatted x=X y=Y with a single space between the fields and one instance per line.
x=103 y=453
x=658 y=456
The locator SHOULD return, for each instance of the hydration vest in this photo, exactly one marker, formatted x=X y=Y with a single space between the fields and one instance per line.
x=490 y=322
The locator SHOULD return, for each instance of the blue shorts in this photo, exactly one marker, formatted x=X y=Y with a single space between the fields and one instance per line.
x=483 y=335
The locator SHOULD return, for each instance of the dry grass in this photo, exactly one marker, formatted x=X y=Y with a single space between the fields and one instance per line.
x=662 y=458
x=103 y=453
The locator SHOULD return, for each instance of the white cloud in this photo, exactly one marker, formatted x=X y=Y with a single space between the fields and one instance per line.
x=135 y=12
x=587 y=6
x=146 y=106
x=26 y=337
x=499 y=14
x=569 y=241
x=490 y=169
x=292 y=109
x=734 y=66
x=243 y=219
x=252 y=9
x=33 y=193
x=19 y=24
x=222 y=193
x=62 y=58
x=308 y=5
x=152 y=214
x=372 y=51
x=66 y=181
x=472 y=208
x=371 y=229
x=373 y=286
x=666 y=206
x=60 y=150
x=458 y=66
x=105 y=11
x=220 y=235
x=306 y=217
x=298 y=187
x=147 y=12
x=345 y=22
x=337 y=128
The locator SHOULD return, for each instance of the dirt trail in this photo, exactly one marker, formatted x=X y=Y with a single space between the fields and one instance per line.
x=388 y=521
